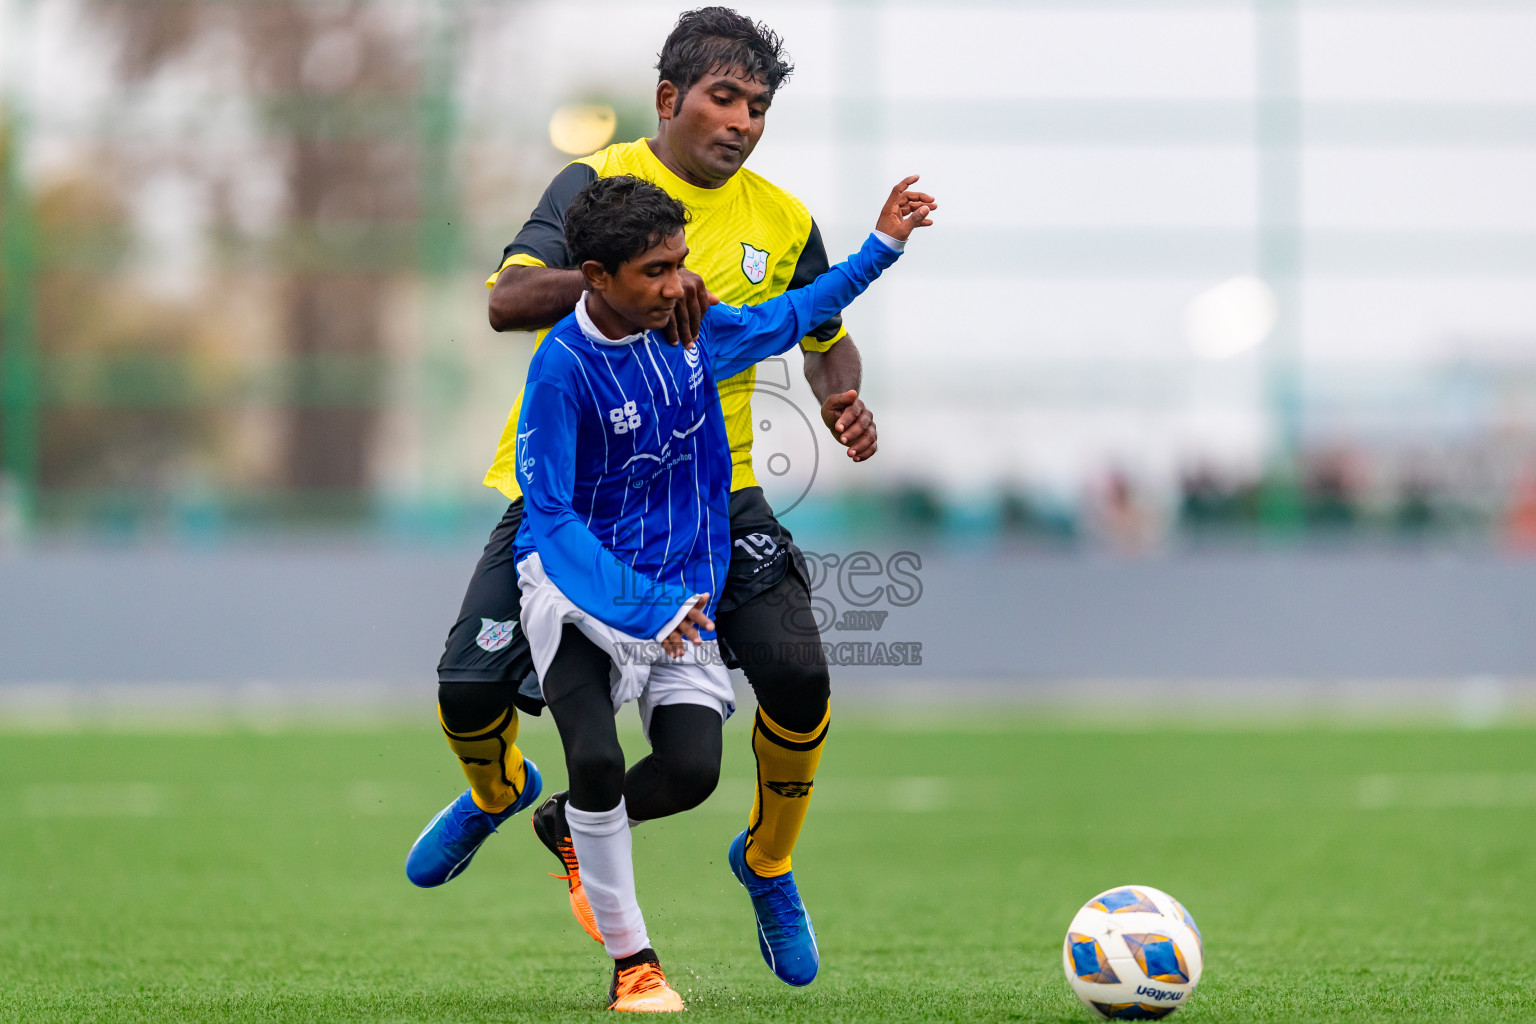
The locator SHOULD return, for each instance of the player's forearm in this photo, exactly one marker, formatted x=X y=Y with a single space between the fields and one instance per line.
x=595 y=580
x=841 y=368
x=752 y=333
x=838 y=369
x=528 y=298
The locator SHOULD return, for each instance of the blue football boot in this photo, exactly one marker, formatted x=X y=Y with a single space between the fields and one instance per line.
x=784 y=932
x=448 y=843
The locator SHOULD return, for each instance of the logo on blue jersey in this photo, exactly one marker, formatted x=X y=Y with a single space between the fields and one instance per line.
x=754 y=263
x=695 y=371
x=624 y=419
x=525 y=462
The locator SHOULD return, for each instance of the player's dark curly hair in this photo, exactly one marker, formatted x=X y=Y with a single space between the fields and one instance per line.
x=717 y=39
x=615 y=219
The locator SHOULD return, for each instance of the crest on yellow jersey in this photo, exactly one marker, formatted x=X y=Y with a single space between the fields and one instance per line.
x=754 y=263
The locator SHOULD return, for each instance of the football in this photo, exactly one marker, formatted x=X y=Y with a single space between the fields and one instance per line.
x=1133 y=953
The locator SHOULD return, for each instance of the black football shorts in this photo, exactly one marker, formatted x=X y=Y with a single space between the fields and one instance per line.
x=486 y=644
x=762 y=550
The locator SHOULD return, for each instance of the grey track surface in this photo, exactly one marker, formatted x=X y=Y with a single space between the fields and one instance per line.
x=291 y=615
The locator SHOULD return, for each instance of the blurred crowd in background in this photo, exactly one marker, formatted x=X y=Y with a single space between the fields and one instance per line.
x=1204 y=273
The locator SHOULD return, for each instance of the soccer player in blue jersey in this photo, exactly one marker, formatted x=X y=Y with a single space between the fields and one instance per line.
x=625 y=540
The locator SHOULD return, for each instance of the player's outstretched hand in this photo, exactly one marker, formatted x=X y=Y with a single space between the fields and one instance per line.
x=905 y=211
x=851 y=423
x=688 y=628
x=688 y=314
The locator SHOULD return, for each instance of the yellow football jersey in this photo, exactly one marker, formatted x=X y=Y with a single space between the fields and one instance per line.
x=748 y=239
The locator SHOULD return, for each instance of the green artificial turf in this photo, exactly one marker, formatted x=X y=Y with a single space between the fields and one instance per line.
x=1336 y=876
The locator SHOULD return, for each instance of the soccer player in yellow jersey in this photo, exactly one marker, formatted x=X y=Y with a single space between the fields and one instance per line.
x=748 y=241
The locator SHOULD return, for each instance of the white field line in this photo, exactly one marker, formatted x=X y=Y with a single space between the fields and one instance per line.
x=368 y=798
x=898 y=704
x=105 y=800
x=1444 y=790
x=914 y=795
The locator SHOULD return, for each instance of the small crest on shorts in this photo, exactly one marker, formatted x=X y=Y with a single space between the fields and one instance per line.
x=754 y=263
x=495 y=635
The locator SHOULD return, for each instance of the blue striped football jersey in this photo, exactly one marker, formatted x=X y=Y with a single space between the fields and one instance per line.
x=622 y=455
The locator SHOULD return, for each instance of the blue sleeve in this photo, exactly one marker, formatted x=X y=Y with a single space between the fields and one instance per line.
x=575 y=560
x=739 y=336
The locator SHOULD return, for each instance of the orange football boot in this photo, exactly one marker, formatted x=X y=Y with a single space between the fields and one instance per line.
x=550 y=826
x=642 y=988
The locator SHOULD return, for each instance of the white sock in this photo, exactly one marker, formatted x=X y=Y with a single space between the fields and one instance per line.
x=603 y=849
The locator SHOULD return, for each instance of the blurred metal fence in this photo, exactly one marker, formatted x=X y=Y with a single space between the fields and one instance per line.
x=220 y=274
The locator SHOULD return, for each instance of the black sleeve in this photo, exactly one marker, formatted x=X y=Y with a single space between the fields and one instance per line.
x=543 y=233
x=811 y=265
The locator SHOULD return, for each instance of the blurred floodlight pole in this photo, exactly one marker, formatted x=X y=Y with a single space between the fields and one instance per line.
x=437 y=120
x=18 y=339
x=438 y=248
x=859 y=136
x=1278 y=122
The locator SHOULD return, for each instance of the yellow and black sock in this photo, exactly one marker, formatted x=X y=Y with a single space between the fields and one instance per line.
x=786 y=775
x=491 y=761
